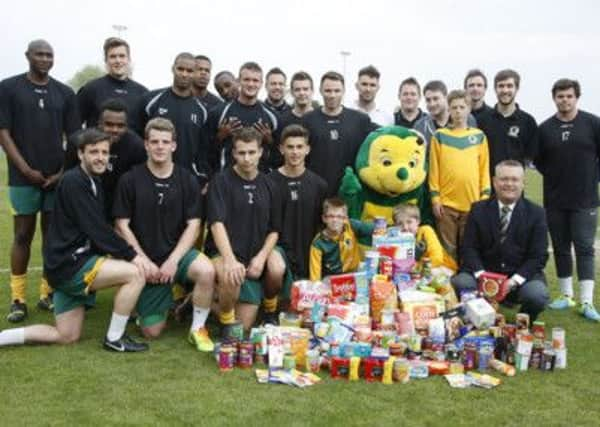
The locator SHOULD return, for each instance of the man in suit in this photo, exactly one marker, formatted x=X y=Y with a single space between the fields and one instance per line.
x=507 y=234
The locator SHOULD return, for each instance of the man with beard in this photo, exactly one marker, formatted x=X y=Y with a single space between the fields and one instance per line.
x=336 y=132
x=301 y=87
x=36 y=113
x=115 y=84
x=244 y=111
x=409 y=112
x=200 y=83
x=510 y=130
x=367 y=87
x=475 y=85
x=126 y=148
x=275 y=86
x=178 y=104
x=226 y=85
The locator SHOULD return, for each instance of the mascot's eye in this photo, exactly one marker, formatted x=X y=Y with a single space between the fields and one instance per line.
x=386 y=162
x=420 y=141
x=412 y=164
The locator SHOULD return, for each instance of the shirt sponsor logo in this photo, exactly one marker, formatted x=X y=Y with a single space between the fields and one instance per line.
x=163 y=111
x=121 y=91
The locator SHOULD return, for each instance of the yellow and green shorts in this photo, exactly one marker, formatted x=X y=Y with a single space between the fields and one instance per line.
x=73 y=293
x=29 y=200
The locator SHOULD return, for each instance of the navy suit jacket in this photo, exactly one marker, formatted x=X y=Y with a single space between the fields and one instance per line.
x=523 y=252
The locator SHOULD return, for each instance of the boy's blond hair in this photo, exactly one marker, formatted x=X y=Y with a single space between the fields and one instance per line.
x=405 y=210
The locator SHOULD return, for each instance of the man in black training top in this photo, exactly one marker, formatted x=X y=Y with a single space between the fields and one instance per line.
x=244 y=111
x=409 y=95
x=567 y=157
x=510 y=131
x=336 y=132
x=82 y=255
x=36 y=113
x=157 y=211
x=115 y=84
x=200 y=82
x=244 y=220
x=126 y=148
x=475 y=84
x=275 y=85
x=301 y=88
x=302 y=193
x=178 y=104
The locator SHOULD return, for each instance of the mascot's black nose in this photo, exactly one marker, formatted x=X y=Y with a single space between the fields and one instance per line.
x=402 y=174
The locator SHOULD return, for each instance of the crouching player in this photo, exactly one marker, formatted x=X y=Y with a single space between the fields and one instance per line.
x=243 y=214
x=76 y=257
x=157 y=210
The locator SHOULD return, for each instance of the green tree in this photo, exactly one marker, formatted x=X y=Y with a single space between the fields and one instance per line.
x=84 y=75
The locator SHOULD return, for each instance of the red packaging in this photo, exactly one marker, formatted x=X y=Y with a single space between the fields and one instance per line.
x=305 y=294
x=438 y=368
x=343 y=287
x=510 y=332
x=493 y=286
x=386 y=267
x=340 y=367
x=373 y=369
x=387 y=251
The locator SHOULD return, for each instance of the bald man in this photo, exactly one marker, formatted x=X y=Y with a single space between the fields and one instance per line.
x=36 y=112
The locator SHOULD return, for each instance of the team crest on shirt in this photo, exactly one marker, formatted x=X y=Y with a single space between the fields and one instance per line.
x=334 y=135
x=41 y=103
x=294 y=195
x=473 y=139
x=162 y=111
x=565 y=135
x=194 y=118
x=514 y=131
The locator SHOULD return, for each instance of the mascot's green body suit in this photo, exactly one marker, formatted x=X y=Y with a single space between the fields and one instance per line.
x=392 y=168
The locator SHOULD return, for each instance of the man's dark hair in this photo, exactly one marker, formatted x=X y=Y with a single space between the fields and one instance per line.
x=333 y=203
x=333 y=75
x=247 y=134
x=113 y=104
x=565 y=84
x=184 y=55
x=475 y=72
x=301 y=75
x=436 y=86
x=203 y=58
x=294 y=130
x=410 y=81
x=507 y=74
x=90 y=136
x=112 y=42
x=369 y=71
x=251 y=66
x=275 y=70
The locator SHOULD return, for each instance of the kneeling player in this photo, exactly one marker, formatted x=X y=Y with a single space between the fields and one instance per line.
x=157 y=210
x=74 y=259
x=244 y=220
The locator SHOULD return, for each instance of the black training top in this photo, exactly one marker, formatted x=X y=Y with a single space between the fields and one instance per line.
x=248 y=115
x=79 y=229
x=568 y=154
x=158 y=208
x=249 y=210
x=210 y=100
x=189 y=118
x=400 y=120
x=484 y=109
x=37 y=117
x=92 y=95
x=334 y=142
x=511 y=137
x=301 y=200
x=278 y=109
x=124 y=154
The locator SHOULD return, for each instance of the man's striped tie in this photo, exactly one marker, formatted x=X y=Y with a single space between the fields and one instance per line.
x=504 y=220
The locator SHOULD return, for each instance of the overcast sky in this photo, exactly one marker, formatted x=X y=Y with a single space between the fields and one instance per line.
x=542 y=40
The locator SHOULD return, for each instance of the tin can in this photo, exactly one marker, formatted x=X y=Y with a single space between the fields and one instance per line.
x=536 y=356
x=510 y=332
x=289 y=362
x=470 y=356
x=452 y=353
x=561 y=358
x=401 y=371
x=226 y=357
x=485 y=353
x=548 y=360
x=538 y=329
x=558 y=338
x=379 y=226
x=522 y=321
x=235 y=332
x=521 y=362
x=386 y=266
x=246 y=355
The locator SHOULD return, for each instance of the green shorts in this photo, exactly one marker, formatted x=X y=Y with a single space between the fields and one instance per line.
x=251 y=291
x=156 y=299
x=29 y=200
x=74 y=293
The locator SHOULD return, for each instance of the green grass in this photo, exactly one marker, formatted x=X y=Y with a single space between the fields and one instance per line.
x=172 y=384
